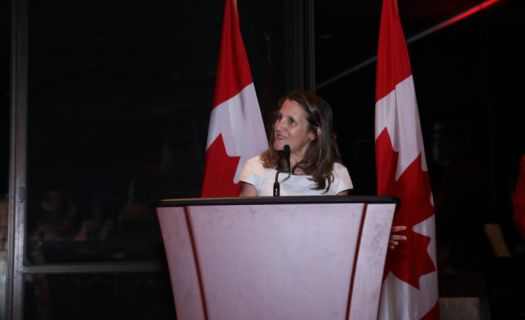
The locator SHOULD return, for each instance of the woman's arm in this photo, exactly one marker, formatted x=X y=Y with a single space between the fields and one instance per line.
x=247 y=190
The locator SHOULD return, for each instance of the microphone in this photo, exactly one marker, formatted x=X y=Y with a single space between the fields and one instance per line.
x=276 y=186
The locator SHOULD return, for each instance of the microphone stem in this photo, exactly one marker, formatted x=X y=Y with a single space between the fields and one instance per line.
x=276 y=187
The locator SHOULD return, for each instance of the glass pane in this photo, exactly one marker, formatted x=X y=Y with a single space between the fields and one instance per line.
x=99 y=296
x=119 y=101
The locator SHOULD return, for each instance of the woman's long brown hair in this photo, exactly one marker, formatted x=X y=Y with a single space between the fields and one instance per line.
x=321 y=153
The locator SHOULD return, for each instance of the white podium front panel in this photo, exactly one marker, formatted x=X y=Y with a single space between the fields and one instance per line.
x=279 y=261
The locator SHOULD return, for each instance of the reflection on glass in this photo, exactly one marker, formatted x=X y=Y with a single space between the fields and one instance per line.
x=113 y=230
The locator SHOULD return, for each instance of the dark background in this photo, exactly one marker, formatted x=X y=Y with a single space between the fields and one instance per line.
x=120 y=94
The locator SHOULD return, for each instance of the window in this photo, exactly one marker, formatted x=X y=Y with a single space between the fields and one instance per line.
x=118 y=100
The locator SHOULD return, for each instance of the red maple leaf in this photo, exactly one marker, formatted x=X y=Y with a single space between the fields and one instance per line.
x=410 y=259
x=219 y=172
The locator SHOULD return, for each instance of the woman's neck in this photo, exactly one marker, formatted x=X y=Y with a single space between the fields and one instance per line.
x=295 y=159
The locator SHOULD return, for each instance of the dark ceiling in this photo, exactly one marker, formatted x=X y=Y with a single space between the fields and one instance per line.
x=347 y=31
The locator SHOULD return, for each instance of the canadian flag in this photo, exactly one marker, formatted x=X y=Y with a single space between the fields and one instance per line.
x=410 y=287
x=236 y=131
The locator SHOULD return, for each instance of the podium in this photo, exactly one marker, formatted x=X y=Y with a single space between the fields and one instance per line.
x=311 y=257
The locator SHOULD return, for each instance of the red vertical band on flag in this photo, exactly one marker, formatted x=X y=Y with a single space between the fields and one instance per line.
x=410 y=285
x=393 y=64
x=233 y=69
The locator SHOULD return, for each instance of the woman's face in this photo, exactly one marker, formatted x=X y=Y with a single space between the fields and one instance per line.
x=291 y=128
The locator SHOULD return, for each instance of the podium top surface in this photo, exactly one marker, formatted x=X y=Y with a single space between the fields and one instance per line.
x=183 y=202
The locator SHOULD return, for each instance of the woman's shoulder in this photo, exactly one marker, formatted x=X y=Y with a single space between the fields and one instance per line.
x=253 y=171
x=254 y=164
x=342 y=175
x=339 y=167
x=255 y=160
x=341 y=172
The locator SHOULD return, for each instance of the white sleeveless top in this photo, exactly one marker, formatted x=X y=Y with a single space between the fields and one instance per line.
x=263 y=179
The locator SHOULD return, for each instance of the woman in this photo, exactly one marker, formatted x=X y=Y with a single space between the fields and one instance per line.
x=304 y=123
